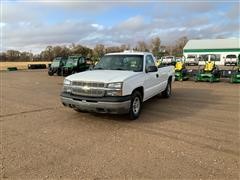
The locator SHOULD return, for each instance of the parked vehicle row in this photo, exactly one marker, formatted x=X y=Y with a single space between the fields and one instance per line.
x=73 y=64
x=68 y=66
x=195 y=60
x=209 y=72
x=229 y=60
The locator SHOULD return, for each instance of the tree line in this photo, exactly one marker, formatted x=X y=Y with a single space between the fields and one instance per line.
x=50 y=52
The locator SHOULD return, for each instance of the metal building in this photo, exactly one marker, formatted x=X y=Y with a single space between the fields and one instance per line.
x=220 y=47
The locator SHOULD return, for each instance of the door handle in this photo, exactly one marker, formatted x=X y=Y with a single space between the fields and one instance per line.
x=157 y=75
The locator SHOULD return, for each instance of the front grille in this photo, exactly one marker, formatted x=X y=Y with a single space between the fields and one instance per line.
x=83 y=88
x=89 y=84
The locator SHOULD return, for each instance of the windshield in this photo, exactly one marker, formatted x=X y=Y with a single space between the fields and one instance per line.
x=231 y=56
x=191 y=56
x=72 y=62
x=55 y=63
x=121 y=62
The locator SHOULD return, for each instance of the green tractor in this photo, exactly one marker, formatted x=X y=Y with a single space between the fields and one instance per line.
x=56 y=66
x=181 y=72
x=75 y=64
x=210 y=72
x=235 y=77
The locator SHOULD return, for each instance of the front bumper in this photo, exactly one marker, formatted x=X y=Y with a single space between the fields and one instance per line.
x=230 y=62
x=111 y=105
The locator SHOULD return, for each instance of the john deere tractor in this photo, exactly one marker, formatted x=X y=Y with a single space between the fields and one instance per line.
x=56 y=66
x=210 y=71
x=235 y=77
x=75 y=64
x=181 y=71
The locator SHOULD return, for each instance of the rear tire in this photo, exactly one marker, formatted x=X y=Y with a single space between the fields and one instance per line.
x=168 y=91
x=136 y=105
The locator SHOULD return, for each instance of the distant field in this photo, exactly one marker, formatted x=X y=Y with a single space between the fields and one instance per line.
x=19 y=65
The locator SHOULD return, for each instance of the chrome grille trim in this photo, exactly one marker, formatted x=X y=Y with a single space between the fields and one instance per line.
x=84 y=88
x=89 y=84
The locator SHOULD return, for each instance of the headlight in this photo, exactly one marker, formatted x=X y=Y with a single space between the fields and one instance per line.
x=66 y=82
x=66 y=86
x=114 y=89
x=115 y=85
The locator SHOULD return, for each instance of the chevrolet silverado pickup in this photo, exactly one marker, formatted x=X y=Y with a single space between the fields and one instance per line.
x=118 y=84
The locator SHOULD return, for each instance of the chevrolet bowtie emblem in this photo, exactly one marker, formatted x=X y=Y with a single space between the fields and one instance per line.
x=86 y=88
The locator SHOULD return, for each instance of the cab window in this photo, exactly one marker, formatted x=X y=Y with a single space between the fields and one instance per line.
x=81 y=60
x=149 y=61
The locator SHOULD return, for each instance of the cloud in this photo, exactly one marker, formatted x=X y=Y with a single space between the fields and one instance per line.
x=234 y=12
x=43 y=23
x=132 y=24
x=2 y=24
x=98 y=26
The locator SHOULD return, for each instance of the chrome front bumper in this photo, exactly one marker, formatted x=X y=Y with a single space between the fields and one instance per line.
x=97 y=106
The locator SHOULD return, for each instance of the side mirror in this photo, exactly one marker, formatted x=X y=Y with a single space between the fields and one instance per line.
x=151 y=69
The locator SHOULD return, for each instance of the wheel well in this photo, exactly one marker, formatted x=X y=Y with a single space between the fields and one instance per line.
x=141 y=90
x=170 y=79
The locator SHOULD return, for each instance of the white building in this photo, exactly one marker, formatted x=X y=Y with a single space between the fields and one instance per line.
x=220 y=47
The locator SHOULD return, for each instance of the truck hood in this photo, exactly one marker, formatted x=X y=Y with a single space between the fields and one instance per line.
x=105 y=76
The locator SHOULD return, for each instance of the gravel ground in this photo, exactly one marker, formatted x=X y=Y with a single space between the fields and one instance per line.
x=192 y=135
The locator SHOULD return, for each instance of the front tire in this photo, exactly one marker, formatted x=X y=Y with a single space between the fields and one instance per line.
x=168 y=91
x=136 y=105
x=50 y=73
x=59 y=73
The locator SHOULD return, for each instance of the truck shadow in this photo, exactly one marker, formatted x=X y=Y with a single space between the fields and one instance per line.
x=185 y=102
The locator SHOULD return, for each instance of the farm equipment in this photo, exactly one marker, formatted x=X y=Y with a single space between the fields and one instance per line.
x=191 y=60
x=12 y=69
x=37 y=66
x=158 y=62
x=231 y=60
x=181 y=72
x=75 y=64
x=210 y=72
x=235 y=77
x=56 y=66
x=168 y=60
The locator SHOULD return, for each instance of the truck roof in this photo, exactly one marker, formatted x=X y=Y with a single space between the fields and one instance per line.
x=129 y=53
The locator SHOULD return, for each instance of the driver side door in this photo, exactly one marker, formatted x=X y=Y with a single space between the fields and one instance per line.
x=152 y=80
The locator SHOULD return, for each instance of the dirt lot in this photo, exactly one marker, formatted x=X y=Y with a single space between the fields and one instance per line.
x=192 y=135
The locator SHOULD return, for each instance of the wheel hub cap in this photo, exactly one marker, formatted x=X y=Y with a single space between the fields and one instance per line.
x=136 y=105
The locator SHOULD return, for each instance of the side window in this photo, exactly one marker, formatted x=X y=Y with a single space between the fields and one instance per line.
x=149 y=61
x=81 y=60
x=231 y=56
x=203 y=57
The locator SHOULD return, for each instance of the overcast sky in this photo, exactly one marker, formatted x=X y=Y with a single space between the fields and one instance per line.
x=32 y=25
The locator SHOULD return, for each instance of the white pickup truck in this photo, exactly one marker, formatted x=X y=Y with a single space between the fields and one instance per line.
x=118 y=84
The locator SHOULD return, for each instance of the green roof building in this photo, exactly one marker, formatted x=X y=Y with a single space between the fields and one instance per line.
x=221 y=48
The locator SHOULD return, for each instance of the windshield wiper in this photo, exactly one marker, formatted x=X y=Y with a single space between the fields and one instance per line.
x=120 y=69
x=137 y=70
x=98 y=68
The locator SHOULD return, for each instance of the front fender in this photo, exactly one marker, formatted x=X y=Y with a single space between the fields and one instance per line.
x=132 y=83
